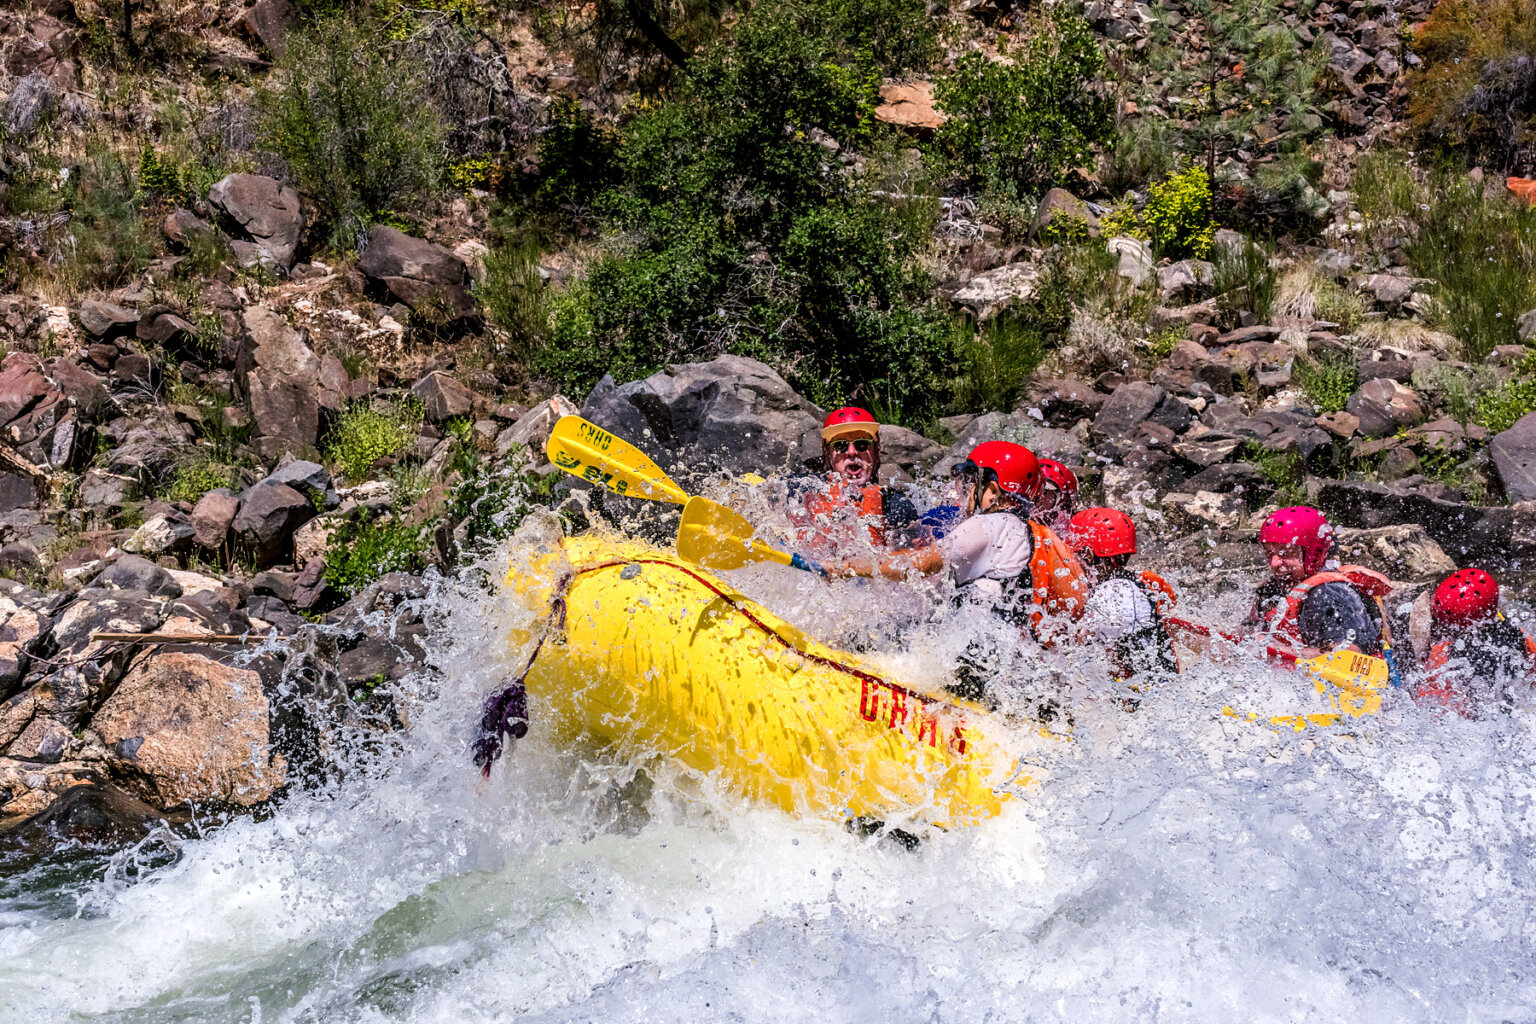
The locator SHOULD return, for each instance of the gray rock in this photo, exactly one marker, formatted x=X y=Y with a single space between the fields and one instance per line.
x=113 y=611
x=1389 y=289
x=907 y=448
x=1493 y=536
x=1384 y=406
x=444 y=398
x=731 y=414
x=989 y=293
x=270 y=21
x=1065 y=400
x=161 y=535
x=131 y=572
x=212 y=517
x=417 y=272
x=307 y=478
x=1060 y=204
x=1526 y=328
x=105 y=320
x=183 y=227
x=1514 y=456
x=1186 y=280
x=269 y=513
x=532 y=429
x=99 y=487
x=1230 y=478
x=280 y=375
x=266 y=211
x=21 y=490
x=1131 y=403
x=1137 y=264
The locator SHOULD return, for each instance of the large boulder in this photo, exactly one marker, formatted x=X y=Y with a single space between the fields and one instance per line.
x=37 y=419
x=909 y=105
x=1384 y=407
x=185 y=728
x=1514 y=456
x=532 y=428
x=132 y=572
x=1059 y=208
x=442 y=397
x=1129 y=405
x=1495 y=536
x=1404 y=552
x=280 y=375
x=731 y=414
x=105 y=320
x=989 y=293
x=265 y=212
x=21 y=628
x=419 y=273
x=269 y=513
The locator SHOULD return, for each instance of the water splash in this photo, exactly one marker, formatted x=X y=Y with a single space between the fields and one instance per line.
x=1182 y=865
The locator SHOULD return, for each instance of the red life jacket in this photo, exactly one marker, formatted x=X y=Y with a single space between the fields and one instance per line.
x=1444 y=685
x=1282 y=618
x=823 y=525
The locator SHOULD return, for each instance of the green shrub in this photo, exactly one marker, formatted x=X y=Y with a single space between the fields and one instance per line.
x=190 y=482
x=578 y=157
x=366 y=432
x=1327 y=381
x=1498 y=408
x=996 y=363
x=1475 y=94
x=1032 y=120
x=351 y=118
x=1457 y=389
x=1244 y=280
x=159 y=180
x=1284 y=471
x=1479 y=249
x=1163 y=341
x=513 y=294
x=1178 y=215
x=1481 y=252
x=361 y=550
x=1338 y=306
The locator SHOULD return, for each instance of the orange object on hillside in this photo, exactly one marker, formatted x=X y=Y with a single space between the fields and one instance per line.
x=1525 y=188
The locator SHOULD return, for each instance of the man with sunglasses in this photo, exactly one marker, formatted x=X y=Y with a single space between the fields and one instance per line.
x=999 y=557
x=851 y=511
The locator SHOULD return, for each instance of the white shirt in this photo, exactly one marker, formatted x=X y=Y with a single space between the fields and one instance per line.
x=1117 y=607
x=996 y=546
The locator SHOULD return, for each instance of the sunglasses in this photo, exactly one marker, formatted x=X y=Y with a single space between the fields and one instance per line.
x=861 y=446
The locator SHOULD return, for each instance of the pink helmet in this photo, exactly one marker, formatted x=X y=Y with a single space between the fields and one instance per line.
x=1303 y=526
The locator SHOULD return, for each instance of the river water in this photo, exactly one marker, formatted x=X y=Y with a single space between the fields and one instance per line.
x=1180 y=866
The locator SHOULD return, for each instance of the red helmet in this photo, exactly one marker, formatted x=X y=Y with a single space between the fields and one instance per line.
x=849 y=421
x=1465 y=597
x=1303 y=526
x=1104 y=531
x=1015 y=467
x=1058 y=474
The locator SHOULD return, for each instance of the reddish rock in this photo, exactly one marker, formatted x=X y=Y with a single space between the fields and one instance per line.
x=910 y=105
x=212 y=517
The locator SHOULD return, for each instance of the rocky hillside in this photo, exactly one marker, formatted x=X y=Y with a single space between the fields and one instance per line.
x=295 y=291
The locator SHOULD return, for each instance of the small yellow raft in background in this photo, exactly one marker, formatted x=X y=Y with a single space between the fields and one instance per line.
x=658 y=655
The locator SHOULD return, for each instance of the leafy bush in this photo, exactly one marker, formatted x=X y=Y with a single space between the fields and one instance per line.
x=1459 y=390
x=1338 y=306
x=1035 y=119
x=732 y=231
x=1163 y=341
x=352 y=121
x=365 y=433
x=996 y=362
x=104 y=241
x=1284 y=471
x=190 y=482
x=578 y=158
x=1244 y=279
x=1476 y=93
x=513 y=293
x=1178 y=215
x=1328 y=381
x=361 y=550
x=1499 y=407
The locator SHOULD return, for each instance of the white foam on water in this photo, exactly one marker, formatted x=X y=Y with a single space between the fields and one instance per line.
x=1181 y=865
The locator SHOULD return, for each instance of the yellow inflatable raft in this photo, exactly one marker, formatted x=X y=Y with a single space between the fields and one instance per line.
x=660 y=656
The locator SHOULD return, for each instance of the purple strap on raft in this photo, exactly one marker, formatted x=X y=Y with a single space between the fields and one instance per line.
x=506 y=711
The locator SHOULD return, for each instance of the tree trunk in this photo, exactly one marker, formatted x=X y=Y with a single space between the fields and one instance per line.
x=133 y=50
x=654 y=33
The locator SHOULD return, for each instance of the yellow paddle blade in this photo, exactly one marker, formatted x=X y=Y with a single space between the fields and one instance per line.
x=588 y=451
x=715 y=537
x=1359 y=680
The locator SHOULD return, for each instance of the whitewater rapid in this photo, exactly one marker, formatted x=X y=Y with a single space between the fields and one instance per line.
x=1181 y=865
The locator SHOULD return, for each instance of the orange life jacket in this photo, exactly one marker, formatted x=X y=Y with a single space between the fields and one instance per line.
x=1444 y=685
x=1282 y=619
x=1057 y=583
x=1159 y=591
x=824 y=509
